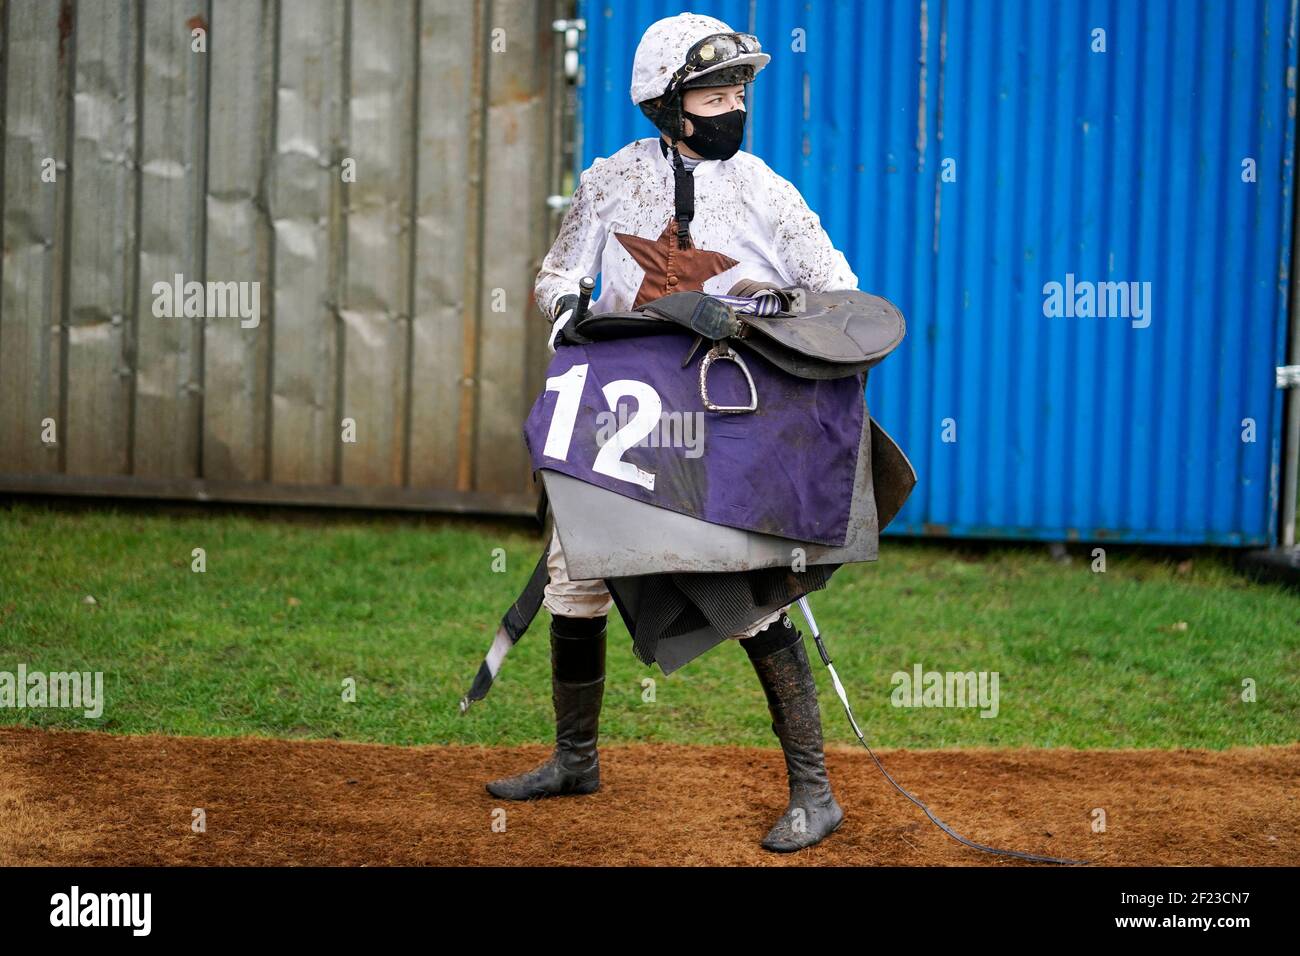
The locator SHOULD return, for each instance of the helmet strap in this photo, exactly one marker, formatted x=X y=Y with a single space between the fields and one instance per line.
x=669 y=118
x=684 y=197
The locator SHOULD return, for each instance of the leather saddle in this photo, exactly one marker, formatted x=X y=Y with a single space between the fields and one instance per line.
x=814 y=335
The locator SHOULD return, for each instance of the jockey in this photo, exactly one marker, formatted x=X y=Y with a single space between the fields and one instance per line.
x=685 y=210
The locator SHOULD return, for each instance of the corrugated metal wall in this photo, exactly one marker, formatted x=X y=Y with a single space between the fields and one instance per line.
x=1124 y=165
x=400 y=300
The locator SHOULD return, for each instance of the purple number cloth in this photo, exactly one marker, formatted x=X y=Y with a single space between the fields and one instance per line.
x=786 y=469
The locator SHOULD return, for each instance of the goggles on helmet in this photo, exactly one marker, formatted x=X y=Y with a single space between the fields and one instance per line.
x=711 y=51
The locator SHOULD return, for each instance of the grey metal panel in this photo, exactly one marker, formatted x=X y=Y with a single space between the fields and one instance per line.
x=375 y=306
x=516 y=138
x=265 y=492
x=445 y=240
x=102 y=239
x=241 y=104
x=224 y=165
x=168 y=351
x=35 y=84
x=306 y=211
x=475 y=143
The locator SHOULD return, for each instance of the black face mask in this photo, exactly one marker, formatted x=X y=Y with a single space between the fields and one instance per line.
x=716 y=137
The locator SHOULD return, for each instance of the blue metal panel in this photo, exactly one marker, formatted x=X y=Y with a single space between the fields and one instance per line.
x=1115 y=166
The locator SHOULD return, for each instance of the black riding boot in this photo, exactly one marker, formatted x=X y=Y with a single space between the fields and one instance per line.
x=787 y=681
x=577 y=688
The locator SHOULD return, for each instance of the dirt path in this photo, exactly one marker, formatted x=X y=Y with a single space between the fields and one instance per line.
x=73 y=798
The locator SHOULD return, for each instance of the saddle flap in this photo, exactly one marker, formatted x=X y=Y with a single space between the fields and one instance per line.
x=843 y=327
x=892 y=475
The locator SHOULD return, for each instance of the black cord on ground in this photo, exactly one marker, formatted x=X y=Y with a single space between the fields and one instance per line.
x=839 y=688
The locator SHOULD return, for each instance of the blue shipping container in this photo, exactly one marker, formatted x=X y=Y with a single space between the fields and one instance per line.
x=966 y=156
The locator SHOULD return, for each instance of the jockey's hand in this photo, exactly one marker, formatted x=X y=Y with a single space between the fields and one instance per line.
x=557 y=330
x=563 y=315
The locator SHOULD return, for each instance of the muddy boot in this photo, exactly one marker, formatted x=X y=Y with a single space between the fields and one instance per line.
x=577 y=688
x=787 y=681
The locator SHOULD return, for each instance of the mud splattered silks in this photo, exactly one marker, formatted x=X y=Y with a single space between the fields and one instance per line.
x=624 y=415
x=750 y=223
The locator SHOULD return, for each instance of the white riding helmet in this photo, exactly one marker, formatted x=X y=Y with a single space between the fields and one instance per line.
x=663 y=49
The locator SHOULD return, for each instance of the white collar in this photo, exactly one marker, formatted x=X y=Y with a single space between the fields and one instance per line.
x=704 y=167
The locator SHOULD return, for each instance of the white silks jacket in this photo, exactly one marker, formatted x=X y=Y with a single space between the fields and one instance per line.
x=749 y=223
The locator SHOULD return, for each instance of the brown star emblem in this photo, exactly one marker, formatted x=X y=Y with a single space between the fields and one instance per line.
x=669 y=269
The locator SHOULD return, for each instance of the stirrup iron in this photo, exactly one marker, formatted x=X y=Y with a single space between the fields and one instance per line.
x=721 y=351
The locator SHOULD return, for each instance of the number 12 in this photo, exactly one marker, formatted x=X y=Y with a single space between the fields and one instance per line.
x=609 y=460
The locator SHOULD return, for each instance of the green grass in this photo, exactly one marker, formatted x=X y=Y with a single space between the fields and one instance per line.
x=292 y=604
